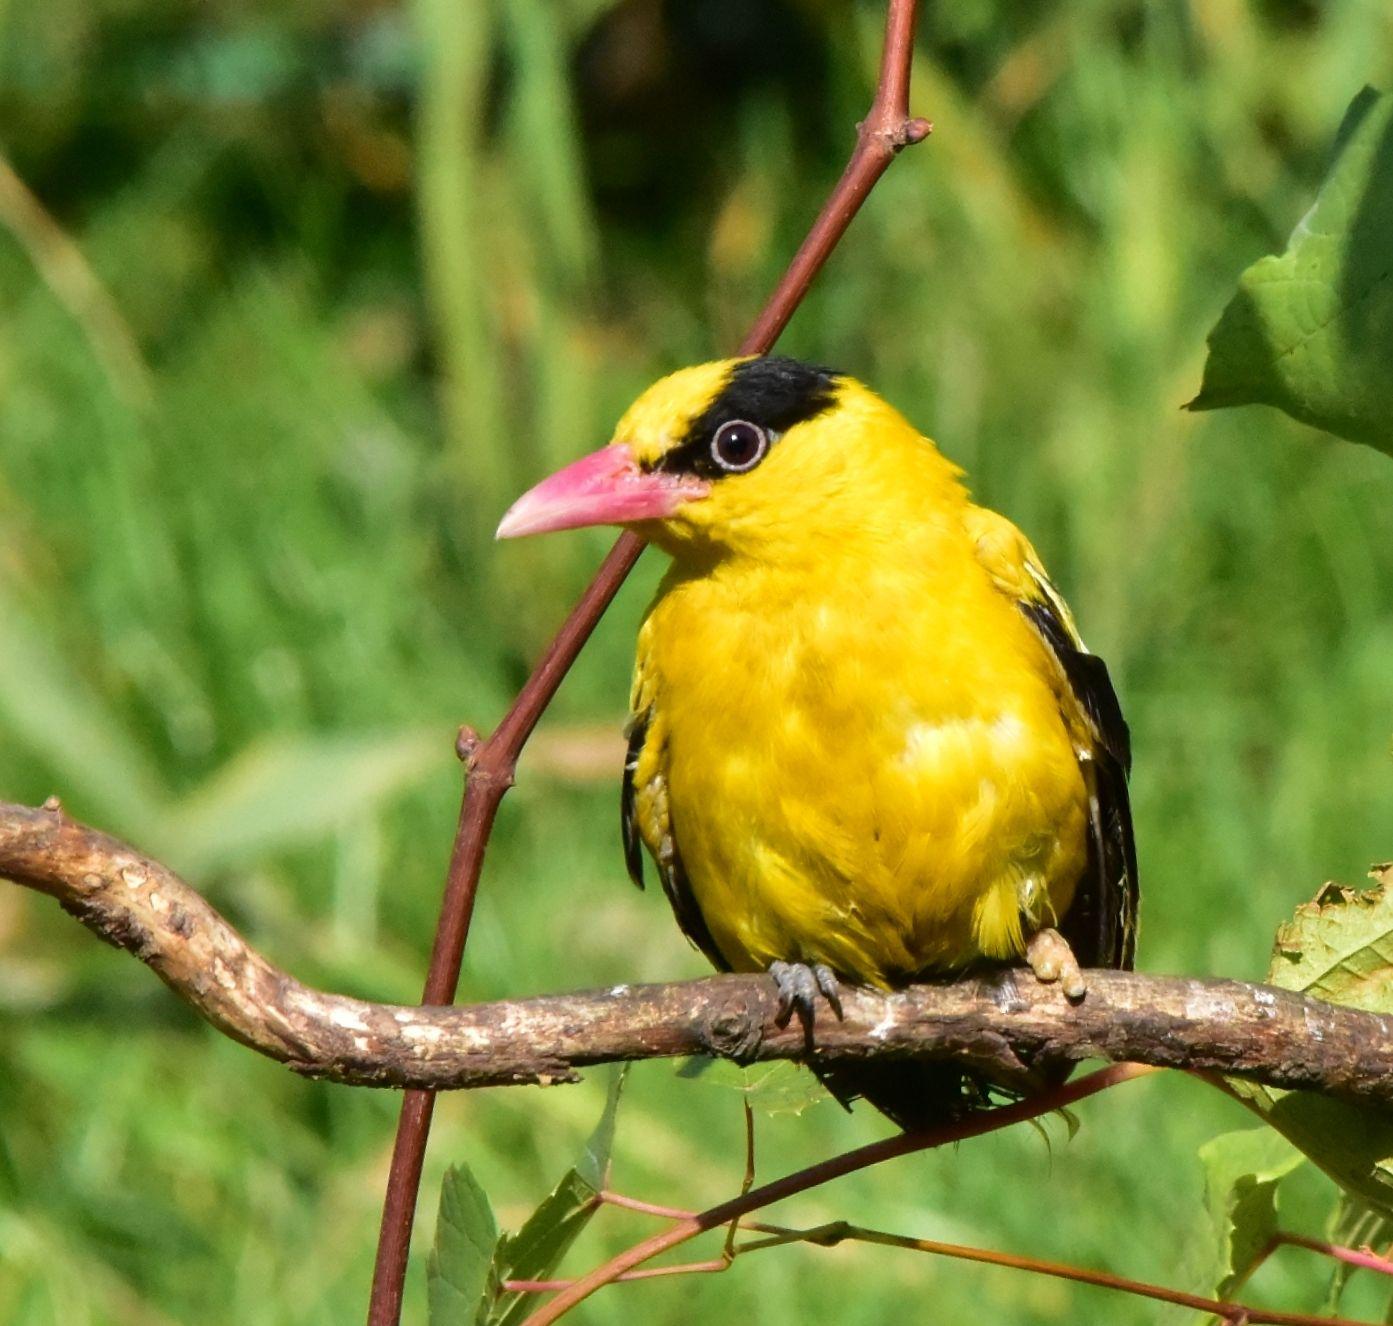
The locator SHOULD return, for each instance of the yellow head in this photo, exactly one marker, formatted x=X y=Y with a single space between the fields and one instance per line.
x=763 y=457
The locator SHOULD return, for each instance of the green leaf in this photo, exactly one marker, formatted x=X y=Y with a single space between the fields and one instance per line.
x=461 y=1279
x=1311 y=331
x=593 y=1166
x=1242 y=1171
x=1353 y=1144
x=535 y=1250
x=780 y=1087
x=1338 y=947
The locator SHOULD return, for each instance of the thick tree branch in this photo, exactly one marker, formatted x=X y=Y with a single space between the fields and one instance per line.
x=1001 y=1023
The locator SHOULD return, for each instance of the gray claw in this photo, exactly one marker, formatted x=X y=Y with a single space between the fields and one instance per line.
x=796 y=990
x=830 y=986
x=799 y=985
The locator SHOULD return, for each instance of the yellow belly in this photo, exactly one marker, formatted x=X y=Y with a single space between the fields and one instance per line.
x=874 y=776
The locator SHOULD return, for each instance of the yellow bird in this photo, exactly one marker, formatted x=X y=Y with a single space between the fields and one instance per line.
x=867 y=744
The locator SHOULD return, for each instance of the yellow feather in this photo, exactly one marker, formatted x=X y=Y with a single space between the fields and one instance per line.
x=859 y=744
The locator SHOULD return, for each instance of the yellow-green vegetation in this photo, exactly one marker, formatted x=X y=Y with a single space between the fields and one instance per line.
x=369 y=270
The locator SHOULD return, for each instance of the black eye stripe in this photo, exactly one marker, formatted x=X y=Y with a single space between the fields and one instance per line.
x=774 y=393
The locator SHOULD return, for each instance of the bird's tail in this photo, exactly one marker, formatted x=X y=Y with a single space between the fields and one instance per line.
x=915 y=1094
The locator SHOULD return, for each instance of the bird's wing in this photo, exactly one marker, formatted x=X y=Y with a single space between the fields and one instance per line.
x=1102 y=922
x=636 y=732
x=645 y=821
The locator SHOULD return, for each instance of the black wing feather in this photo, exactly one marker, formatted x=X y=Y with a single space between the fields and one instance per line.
x=1088 y=679
x=668 y=859
x=628 y=818
x=1102 y=923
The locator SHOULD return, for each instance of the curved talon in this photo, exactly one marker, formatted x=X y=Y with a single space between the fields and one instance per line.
x=796 y=990
x=1048 y=955
x=799 y=985
x=830 y=986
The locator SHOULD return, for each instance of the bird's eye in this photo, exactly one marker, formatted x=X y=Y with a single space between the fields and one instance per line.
x=739 y=445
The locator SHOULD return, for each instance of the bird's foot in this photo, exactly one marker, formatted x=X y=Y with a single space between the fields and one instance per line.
x=799 y=984
x=1048 y=955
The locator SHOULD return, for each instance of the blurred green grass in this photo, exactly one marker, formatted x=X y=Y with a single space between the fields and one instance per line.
x=383 y=266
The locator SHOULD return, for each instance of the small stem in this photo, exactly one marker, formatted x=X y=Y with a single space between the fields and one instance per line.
x=780 y=1237
x=839 y=1232
x=622 y=1268
x=847 y=1163
x=712 y=1267
x=645 y=1208
x=677 y=1213
x=1365 y=1258
x=748 y=1181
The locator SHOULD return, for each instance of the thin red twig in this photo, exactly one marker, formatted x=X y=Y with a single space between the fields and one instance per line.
x=1240 y=1314
x=885 y=130
x=840 y=1231
x=848 y=1163
x=1364 y=1258
x=645 y=1208
x=712 y=1267
x=677 y=1213
x=829 y=1235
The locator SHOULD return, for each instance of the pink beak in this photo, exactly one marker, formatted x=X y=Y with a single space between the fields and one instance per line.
x=604 y=488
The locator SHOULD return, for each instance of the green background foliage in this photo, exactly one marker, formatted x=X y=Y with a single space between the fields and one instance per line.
x=1336 y=948
x=374 y=268
x=1311 y=330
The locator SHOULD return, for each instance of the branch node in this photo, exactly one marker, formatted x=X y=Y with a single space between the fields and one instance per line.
x=482 y=773
x=912 y=131
x=733 y=1030
x=488 y=764
x=54 y=806
x=467 y=742
x=894 y=134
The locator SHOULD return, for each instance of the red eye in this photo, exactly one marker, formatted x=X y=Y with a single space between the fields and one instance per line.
x=739 y=446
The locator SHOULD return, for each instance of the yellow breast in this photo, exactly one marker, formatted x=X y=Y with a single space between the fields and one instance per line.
x=861 y=756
